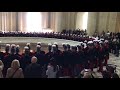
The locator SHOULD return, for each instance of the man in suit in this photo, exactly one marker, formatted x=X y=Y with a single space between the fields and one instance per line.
x=33 y=70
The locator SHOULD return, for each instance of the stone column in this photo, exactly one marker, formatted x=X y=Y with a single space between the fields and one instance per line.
x=58 y=21
x=117 y=27
x=52 y=21
x=0 y=21
x=102 y=23
x=91 y=27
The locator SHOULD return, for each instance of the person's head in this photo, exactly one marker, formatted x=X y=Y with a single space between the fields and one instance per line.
x=55 y=43
x=13 y=49
x=34 y=59
x=53 y=63
x=7 y=48
x=38 y=48
x=115 y=75
x=27 y=50
x=39 y=43
x=15 y=64
x=17 y=49
x=49 y=47
x=65 y=47
x=74 y=48
x=54 y=48
x=68 y=47
x=28 y=45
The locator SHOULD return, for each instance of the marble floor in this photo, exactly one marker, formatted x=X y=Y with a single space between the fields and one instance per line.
x=33 y=40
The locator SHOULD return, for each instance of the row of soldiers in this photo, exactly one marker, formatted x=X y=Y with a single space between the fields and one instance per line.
x=71 y=60
x=59 y=35
x=75 y=31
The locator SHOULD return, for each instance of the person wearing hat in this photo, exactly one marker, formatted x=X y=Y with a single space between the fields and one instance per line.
x=39 y=43
x=56 y=53
x=64 y=55
x=40 y=55
x=48 y=55
x=17 y=51
x=74 y=59
x=96 y=48
x=7 y=49
x=9 y=58
x=80 y=57
x=101 y=57
x=91 y=55
x=28 y=45
x=106 y=48
x=26 y=58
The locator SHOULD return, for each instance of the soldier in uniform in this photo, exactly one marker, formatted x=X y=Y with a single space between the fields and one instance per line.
x=106 y=48
x=49 y=53
x=7 y=49
x=40 y=56
x=26 y=58
x=101 y=56
x=9 y=58
x=80 y=57
x=91 y=55
x=18 y=51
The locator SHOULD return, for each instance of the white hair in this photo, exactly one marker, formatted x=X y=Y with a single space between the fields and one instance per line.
x=15 y=64
x=34 y=59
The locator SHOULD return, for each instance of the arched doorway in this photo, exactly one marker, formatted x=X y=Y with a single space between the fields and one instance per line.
x=34 y=22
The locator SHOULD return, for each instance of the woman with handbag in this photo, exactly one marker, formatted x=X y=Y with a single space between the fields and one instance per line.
x=1 y=69
x=15 y=71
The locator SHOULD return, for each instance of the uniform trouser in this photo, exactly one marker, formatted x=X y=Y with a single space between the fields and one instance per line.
x=86 y=65
x=91 y=65
x=100 y=66
x=78 y=68
x=106 y=60
x=117 y=52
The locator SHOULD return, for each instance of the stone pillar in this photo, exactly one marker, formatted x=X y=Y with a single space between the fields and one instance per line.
x=103 y=22
x=0 y=21
x=91 y=27
x=58 y=21
x=112 y=21
x=117 y=27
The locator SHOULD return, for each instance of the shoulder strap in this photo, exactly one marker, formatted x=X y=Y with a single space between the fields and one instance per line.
x=14 y=73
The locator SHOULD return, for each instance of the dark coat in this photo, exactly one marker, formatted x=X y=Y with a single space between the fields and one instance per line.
x=33 y=70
